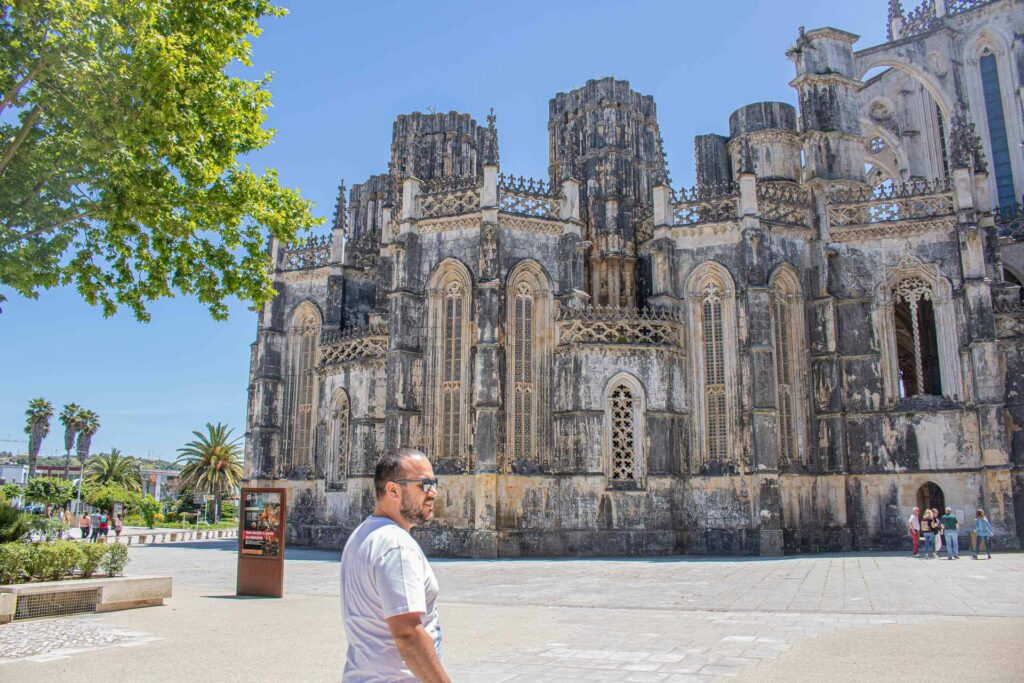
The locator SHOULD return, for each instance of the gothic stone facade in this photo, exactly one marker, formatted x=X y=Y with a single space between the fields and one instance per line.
x=788 y=357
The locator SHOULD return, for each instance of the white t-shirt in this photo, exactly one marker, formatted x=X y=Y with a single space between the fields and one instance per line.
x=914 y=522
x=384 y=573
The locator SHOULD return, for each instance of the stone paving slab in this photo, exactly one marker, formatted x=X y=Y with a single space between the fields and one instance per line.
x=44 y=639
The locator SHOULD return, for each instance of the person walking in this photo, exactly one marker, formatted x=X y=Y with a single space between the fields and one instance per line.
x=84 y=524
x=67 y=518
x=104 y=526
x=937 y=529
x=928 y=529
x=983 y=530
x=914 y=525
x=118 y=526
x=388 y=590
x=950 y=524
x=95 y=526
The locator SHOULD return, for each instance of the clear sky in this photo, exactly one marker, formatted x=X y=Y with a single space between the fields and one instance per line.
x=342 y=72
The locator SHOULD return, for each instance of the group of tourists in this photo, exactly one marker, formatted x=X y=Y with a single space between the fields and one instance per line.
x=938 y=530
x=99 y=525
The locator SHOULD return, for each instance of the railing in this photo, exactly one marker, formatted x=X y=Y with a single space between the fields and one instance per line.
x=527 y=197
x=1010 y=222
x=353 y=344
x=920 y=20
x=705 y=204
x=449 y=196
x=615 y=325
x=313 y=253
x=916 y=199
x=784 y=203
x=961 y=6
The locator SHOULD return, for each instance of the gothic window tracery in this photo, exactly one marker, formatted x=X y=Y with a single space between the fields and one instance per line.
x=452 y=370
x=447 y=367
x=712 y=317
x=340 y=442
x=301 y=386
x=788 y=348
x=624 y=438
x=916 y=339
x=716 y=422
x=529 y=328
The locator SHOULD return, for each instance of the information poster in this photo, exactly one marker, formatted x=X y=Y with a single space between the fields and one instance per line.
x=261 y=524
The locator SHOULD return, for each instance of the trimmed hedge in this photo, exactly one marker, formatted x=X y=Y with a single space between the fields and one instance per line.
x=56 y=560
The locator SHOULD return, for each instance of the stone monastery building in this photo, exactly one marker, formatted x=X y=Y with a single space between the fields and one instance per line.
x=823 y=333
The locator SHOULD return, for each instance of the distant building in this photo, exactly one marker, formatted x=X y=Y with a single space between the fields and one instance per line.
x=11 y=473
x=160 y=483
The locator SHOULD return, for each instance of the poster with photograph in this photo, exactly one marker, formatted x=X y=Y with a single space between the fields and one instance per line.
x=261 y=517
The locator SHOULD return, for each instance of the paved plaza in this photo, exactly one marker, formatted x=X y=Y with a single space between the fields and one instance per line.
x=841 y=617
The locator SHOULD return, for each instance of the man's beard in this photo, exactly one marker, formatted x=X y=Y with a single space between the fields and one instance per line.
x=410 y=512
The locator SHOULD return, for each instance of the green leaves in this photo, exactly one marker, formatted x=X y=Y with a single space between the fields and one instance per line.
x=114 y=469
x=126 y=181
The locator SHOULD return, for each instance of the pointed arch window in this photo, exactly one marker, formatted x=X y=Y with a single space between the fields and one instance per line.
x=300 y=395
x=529 y=328
x=789 y=350
x=712 y=317
x=339 y=448
x=915 y=318
x=625 y=466
x=716 y=414
x=447 y=372
x=452 y=370
x=917 y=347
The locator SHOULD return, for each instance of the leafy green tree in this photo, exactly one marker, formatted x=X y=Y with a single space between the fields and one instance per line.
x=13 y=524
x=71 y=418
x=50 y=491
x=212 y=464
x=38 y=414
x=10 y=491
x=88 y=425
x=114 y=468
x=104 y=498
x=120 y=139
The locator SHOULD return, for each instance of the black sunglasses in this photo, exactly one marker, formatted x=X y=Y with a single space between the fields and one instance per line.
x=428 y=485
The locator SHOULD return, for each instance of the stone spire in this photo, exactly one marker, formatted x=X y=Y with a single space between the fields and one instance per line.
x=894 y=26
x=340 y=210
x=966 y=150
x=491 y=155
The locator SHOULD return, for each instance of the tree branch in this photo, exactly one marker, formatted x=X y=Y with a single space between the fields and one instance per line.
x=26 y=128
x=11 y=95
x=50 y=228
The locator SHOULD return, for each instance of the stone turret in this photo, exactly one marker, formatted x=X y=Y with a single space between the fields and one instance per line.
x=430 y=146
x=714 y=167
x=368 y=206
x=606 y=136
x=829 y=109
x=769 y=130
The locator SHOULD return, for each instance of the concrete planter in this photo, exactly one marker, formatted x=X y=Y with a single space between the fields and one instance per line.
x=111 y=593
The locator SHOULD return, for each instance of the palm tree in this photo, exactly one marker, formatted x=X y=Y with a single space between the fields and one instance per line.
x=37 y=426
x=88 y=424
x=114 y=469
x=71 y=418
x=213 y=463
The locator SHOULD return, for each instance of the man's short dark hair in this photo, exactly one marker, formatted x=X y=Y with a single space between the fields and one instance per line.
x=391 y=466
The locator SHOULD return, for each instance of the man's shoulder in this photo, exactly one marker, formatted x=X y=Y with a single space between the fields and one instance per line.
x=380 y=534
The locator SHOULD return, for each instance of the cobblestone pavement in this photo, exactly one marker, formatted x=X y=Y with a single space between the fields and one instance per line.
x=43 y=639
x=670 y=619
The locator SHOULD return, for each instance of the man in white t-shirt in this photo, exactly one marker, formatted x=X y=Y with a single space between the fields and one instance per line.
x=388 y=590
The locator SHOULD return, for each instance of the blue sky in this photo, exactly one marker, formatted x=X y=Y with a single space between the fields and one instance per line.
x=342 y=73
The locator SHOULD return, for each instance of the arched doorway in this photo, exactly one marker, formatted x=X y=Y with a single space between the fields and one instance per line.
x=931 y=496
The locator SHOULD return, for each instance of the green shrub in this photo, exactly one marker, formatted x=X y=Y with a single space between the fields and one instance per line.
x=228 y=510
x=13 y=558
x=133 y=520
x=47 y=528
x=13 y=524
x=91 y=556
x=105 y=497
x=115 y=559
x=149 y=507
x=52 y=561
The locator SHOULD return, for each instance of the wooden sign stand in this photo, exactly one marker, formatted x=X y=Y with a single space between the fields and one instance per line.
x=261 y=534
